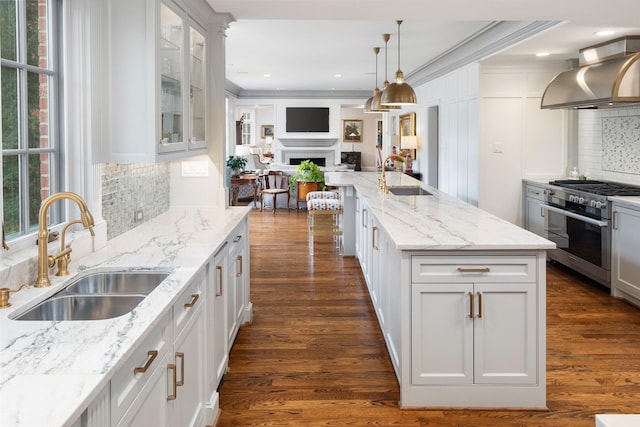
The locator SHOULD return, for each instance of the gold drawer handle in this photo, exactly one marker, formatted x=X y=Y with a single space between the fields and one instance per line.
x=474 y=270
x=173 y=396
x=237 y=239
x=219 y=284
x=152 y=356
x=194 y=298
x=239 y=270
x=470 y=305
x=181 y=382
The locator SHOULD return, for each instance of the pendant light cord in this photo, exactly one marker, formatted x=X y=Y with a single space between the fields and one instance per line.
x=399 y=22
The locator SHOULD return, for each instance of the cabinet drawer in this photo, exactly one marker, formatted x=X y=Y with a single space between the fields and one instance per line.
x=127 y=384
x=188 y=303
x=494 y=269
x=535 y=192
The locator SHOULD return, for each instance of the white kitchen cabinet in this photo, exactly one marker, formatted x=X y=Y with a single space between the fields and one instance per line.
x=625 y=265
x=216 y=330
x=150 y=408
x=139 y=390
x=187 y=404
x=237 y=279
x=534 y=214
x=153 y=104
x=473 y=333
x=357 y=226
x=364 y=223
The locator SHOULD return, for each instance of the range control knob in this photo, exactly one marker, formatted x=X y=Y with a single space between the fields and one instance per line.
x=599 y=205
x=581 y=200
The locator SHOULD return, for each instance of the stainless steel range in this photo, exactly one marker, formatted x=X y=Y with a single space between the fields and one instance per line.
x=578 y=221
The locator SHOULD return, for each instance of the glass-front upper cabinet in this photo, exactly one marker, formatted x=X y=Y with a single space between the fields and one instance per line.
x=171 y=79
x=154 y=85
x=197 y=106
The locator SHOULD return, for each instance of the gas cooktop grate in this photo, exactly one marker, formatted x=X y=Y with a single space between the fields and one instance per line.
x=601 y=188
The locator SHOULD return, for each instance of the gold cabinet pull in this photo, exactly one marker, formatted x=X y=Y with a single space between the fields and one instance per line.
x=479 y=304
x=237 y=239
x=152 y=356
x=181 y=357
x=219 y=285
x=172 y=367
x=239 y=271
x=373 y=237
x=474 y=270
x=194 y=298
x=470 y=305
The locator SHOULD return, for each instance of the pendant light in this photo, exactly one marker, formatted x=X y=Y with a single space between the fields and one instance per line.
x=368 y=106
x=399 y=93
x=377 y=101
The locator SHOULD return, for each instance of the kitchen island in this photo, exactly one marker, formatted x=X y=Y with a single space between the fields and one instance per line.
x=459 y=294
x=81 y=373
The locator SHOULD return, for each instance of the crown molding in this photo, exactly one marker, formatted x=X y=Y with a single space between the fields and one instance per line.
x=495 y=37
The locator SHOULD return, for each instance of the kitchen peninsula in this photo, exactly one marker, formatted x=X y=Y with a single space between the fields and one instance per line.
x=146 y=367
x=459 y=294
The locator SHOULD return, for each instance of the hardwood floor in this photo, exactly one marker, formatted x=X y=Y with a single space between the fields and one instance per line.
x=314 y=355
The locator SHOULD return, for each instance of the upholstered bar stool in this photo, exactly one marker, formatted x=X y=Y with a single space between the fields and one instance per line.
x=322 y=195
x=324 y=219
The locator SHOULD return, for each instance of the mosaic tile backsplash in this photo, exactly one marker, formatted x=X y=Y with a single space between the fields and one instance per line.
x=127 y=188
x=621 y=144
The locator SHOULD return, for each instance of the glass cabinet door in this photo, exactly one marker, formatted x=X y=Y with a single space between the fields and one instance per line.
x=171 y=77
x=197 y=89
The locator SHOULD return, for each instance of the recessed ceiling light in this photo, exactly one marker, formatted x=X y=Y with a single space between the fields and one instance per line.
x=338 y=76
x=267 y=75
x=542 y=54
x=604 y=33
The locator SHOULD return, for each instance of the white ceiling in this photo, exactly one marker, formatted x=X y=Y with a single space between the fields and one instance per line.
x=303 y=44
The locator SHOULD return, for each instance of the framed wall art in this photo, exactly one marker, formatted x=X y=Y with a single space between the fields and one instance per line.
x=407 y=124
x=266 y=130
x=352 y=130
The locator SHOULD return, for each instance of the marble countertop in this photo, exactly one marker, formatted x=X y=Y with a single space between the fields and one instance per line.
x=438 y=222
x=50 y=371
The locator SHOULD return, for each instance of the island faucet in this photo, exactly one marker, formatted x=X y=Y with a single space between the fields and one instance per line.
x=44 y=261
x=382 y=181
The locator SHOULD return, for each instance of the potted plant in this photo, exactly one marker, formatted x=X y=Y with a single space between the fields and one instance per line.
x=307 y=177
x=236 y=164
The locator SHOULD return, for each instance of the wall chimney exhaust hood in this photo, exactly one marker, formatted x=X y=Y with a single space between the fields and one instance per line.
x=608 y=76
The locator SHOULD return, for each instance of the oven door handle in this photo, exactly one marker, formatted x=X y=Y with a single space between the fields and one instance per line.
x=576 y=216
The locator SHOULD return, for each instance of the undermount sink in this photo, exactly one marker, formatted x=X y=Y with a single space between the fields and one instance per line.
x=119 y=282
x=409 y=191
x=82 y=307
x=98 y=295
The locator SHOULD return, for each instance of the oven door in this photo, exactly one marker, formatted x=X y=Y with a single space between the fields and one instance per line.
x=582 y=237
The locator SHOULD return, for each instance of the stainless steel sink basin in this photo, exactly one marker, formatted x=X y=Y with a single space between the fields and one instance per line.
x=82 y=307
x=118 y=282
x=409 y=191
x=98 y=295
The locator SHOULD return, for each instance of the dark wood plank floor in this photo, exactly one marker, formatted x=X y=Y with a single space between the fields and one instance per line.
x=314 y=355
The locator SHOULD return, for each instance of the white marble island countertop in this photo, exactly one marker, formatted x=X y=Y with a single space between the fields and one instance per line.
x=50 y=371
x=437 y=222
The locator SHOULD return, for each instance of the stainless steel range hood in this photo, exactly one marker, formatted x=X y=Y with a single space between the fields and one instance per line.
x=608 y=76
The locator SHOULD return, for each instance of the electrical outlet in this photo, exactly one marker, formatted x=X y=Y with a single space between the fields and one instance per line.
x=138 y=215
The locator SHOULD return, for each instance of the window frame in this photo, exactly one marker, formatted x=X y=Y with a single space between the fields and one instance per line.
x=28 y=232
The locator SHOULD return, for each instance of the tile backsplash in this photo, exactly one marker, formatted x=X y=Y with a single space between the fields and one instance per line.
x=127 y=188
x=609 y=144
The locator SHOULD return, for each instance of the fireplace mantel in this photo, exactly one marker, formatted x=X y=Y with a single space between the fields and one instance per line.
x=307 y=143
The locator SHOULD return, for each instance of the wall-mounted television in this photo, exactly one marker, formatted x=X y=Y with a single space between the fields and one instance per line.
x=307 y=119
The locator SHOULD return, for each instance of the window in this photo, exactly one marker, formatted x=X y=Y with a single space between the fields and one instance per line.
x=30 y=113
